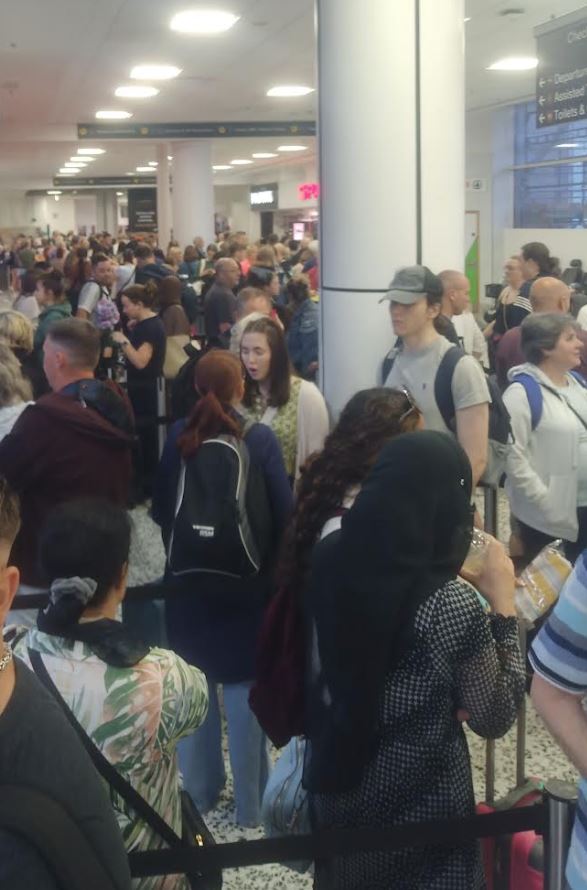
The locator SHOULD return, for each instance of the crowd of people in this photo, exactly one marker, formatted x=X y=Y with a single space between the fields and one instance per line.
x=360 y=527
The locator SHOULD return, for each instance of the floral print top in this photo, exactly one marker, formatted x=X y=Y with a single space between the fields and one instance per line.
x=135 y=715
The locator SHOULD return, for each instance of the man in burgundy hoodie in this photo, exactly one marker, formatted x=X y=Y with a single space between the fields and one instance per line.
x=74 y=442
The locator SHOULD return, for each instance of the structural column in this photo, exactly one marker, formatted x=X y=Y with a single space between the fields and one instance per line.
x=163 y=196
x=193 y=191
x=392 y=168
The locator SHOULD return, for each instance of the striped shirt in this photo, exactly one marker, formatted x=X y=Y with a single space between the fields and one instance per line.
x=559 y=656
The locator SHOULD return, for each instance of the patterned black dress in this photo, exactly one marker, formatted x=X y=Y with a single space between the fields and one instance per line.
x=421 y=771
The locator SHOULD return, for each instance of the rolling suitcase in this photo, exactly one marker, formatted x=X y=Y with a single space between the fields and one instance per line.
x=513 y=862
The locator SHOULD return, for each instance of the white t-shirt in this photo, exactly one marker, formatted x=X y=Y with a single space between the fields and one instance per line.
x=415 y=370
x=90 y=295
x=471 y=336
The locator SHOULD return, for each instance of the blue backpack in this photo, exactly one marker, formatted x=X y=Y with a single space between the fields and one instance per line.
x=534 y=393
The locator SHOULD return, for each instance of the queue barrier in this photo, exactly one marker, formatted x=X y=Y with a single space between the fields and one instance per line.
x=552 y=819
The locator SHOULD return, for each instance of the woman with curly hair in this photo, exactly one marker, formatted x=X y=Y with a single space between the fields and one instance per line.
x=329 y=483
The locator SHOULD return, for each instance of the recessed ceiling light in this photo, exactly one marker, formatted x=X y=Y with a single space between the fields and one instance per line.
x=567 y=145
x=82 y=161
x=240 y=162
x=119 y=194
x=291 y=148
x=145 y=170
x=153 y=163
x=54 y=192
x=514 y=63
x=169 y=157
x=154 y=72
x=113 y=115
x=136 y=92
x=91 y=151
x=289 y=92
x=67 y=172
x=264 y=154
x=203 y=21
x=467 y=19
x=75 y=166
x=222 y=167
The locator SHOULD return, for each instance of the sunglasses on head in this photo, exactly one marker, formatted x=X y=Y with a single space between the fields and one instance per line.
x=412 y=407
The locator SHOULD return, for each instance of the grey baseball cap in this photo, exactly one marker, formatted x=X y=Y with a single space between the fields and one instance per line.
x=412 y=283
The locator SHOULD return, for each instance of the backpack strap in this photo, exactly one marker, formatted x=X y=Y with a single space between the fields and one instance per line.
x=579 y=378
x=533 y=394
x=443 y=385
x=389 y=360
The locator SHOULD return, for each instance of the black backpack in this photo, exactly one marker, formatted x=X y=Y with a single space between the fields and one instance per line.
x=222 y=522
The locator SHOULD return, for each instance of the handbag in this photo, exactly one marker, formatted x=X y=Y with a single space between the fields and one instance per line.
x=175 y=355
x=285 y=808
x=195 y=832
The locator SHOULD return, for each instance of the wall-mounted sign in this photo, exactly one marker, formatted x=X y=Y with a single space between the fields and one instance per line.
x=264 y=197
x=561 y=76
x=142 y=210
x=475 y=185
x=103 y=181
x=195 y=130
x=309 y=191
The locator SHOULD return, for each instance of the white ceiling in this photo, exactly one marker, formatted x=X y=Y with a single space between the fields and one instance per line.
x=60 y=61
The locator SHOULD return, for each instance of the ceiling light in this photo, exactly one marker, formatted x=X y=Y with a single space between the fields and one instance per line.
x=66 y=173
x=82 y=161
x=169 y=157
x=289 y=92
x=135 y=92
x=567 y=145
x=91 y=151
x=76 y=166
x=467 y=19
x=203 y=21
x=240 y=162
x=119 y=194
x=54 y=192
x=291 y=148
x=264 y=154
x=145 y=170
x=154 y=72
x=113 y=115
x=130 y=173
x=153 y=163
x=514 y=63
x=222 y=167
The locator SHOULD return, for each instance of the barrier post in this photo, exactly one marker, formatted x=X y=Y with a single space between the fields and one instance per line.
x=562 y=800
x=161 y=413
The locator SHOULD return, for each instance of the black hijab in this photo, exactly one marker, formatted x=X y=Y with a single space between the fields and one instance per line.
x=406 y=535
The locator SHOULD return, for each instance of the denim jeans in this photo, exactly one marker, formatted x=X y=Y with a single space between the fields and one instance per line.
x=202 y=762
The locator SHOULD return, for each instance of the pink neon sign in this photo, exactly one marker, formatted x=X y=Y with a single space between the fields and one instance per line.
x=308 y=191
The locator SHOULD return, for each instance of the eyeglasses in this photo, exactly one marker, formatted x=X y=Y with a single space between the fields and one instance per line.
x=412 y=407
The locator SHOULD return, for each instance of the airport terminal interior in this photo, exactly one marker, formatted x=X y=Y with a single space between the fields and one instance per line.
x=249 y=211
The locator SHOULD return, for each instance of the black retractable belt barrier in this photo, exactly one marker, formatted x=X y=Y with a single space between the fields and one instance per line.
x=140 y=593
x=340 y=842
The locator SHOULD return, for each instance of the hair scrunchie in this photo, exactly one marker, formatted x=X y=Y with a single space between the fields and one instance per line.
x=68 y=597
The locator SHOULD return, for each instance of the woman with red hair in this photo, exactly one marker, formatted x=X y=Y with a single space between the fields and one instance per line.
x=213 y=620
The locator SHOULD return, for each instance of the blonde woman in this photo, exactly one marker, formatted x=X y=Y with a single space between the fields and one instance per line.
x=15 y=391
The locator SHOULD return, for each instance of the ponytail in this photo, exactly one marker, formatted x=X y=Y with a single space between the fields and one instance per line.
x=209 y=418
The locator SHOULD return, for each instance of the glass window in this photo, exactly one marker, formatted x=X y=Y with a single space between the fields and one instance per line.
x=553 y=196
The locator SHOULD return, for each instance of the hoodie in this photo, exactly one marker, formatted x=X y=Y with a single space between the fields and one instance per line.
x=542 y=470
x=61 y=448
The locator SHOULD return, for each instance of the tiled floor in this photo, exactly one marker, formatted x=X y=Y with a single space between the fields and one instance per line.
x=543 y=758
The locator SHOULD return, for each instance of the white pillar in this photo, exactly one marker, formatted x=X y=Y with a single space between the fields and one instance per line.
x=163 y=196
x=392 y=170
x=111 y=212
x=193 y=191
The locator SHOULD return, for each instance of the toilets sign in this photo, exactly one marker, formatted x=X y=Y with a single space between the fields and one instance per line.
x=561 y=76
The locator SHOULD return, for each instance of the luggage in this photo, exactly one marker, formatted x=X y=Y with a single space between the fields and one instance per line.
x=223 y=523
x=513 y=862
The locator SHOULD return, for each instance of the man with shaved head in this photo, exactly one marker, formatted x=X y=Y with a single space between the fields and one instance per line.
x=220 y=305
x=456 y=292
x=546 y=295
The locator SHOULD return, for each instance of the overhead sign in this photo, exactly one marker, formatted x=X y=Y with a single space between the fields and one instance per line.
x=561 y=76
x=142 y=210
x=195 y=130
x=103 y=181
x=309 y=191
x=264 y=197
